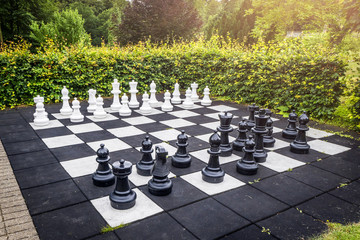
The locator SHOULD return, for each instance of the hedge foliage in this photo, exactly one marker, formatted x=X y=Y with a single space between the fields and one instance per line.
x=283 y=76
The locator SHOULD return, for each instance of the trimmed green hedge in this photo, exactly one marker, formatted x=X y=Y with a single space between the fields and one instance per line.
x=282 y=76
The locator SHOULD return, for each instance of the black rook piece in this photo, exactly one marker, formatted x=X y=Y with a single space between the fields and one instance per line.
x=239 y=142
x=259 y=130
x=299 y=145
x=213 y=173
x=269 y=141
x=103 y=176
x=160 y=184
x=225 y=129
x=290 y=131
x=123 y=197
x=247 y=164
x=251 y=120
x=146 y=164
x=181 y=159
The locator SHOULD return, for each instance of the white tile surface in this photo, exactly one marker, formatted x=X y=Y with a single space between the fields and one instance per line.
x=222 y=108
x=280 y=163
x=216 y=116
x=279 y=144
x=109 y=110
x=204 y=156
x=109 y=117
x=276 y=130
x=166 y=135
x=214 y=125
x=144 y=207
x=177 y=123
x=139 y=180
x=315 y=133
x=126 y=131
x=83 y=128
x=60 y=116
x=62 y=141
x=111 y=144
x=205 y=137
x=153 y=112
x=184 y=114
x=138 y=120
x=326 y=147
x=170 y=149
x=196 y=106
x=212 y=188
x=52 y=124
x=81 y=166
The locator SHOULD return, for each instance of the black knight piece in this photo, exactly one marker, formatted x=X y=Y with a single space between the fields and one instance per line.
x=123 y=197
x=239 y=142
x=213 y=173
x=251 y=120
x=299 y=145
x=103 y=176
x=225 y=129
x=160 y=184
x=146 y=164
x=290 y=131
x=181 y=159
x=269 y=141
x=247 y=164
x=259 y=130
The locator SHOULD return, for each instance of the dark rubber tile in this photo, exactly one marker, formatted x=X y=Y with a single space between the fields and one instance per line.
x=161 y=117
x=343 y=141
x=14 y=128
x=32 y=159
x=5 y=121
x=112 y=124
x=95 y=136
x=350 y=192
x=196 y=165
x=350 y=170
x=200 y=119
x=194 y=144
x=131 y=154
x=106 y=236
x=136 y=141
x=19 y=136
x=353 y=155
x=195 y=130
x=306 y=158
x=251 y=232
x=24 y=147
x=73 y=152
x=53 y=132
x=152 y=127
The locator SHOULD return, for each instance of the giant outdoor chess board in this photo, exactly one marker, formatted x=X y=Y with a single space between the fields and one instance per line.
x=54 y=164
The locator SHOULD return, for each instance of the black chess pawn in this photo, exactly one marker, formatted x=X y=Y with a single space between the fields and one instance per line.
x=160 y=184
x=103 y=176
x=259 y=130
x=269 y=141
x=146 y=164
x=225 y=129
x=299 y=145
x=213 y=173
x=251 y=120
x=181 y=159
x=247 y=164
x=239 y=142
x=290 y=131
x=123 y=197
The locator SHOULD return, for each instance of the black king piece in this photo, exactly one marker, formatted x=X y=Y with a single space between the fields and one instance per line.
x=299 y=145
x=225 y=129
x=146 y=164
x=259 y=130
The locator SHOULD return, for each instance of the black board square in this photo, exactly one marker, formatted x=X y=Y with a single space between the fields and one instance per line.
x=292 y=224
x=182 y=193
x=316 y=177
x=353 y=155
x=14 y=128
x=5 y=121
x=131 y=154
x=157 y=227
x=204 y=110
x=10 y=114
x=195 y=130
x=152 y=127
x=196 y=165
x=286 y=189
x=95 y=136
x=52 y=196
x=53 y=132
x=195 y=144
x=161 y=117
x=136 y=141
x=40 y=175
x=112 y=124
x=24 y=147
x=306 y=158
x=72 y=152
x=67 y=121
x=219 y=219
x=106 y=236
x=32 y=159
x=200 y=119
x=79 y=221
x=18 y=136
x=350 y=192
x=251 y=203
x=251 y=232
x=327 y=207
x=343 y=141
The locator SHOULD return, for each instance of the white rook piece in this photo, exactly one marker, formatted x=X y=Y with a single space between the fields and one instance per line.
x=66 y=110
x=206 y=99
x=133 y=101
x=124 y=110
x=116 y=103
x=194 y=96
x=153 y=101
x=188 y=103
x=41 y=118
x=76 y=116
x=145 y=108
x=167 y=107
x=92 y=101
x=176 y=95
x=99 y=112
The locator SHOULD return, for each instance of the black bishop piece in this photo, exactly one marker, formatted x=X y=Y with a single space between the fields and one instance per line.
x=290 y=131
x=181 y=159
x=239 y=142
x=269 y=141
x=103 y=176
x=123 y=197
x=146 y=164
x=225 y=129
x=160 y=184
x=259 y=130
x=299 y=145
x=247 y=164
x=251 y=120
x=213 y=173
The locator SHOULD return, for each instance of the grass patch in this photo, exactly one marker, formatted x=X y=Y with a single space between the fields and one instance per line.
x=338 y=231
x=107 y=228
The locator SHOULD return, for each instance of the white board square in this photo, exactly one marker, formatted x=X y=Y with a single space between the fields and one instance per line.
x=139 y=180
x=60 y=116
x=166 y=135
x=216 y=116
x=222 y=108
x=138 y=120
x=153 y=112
x=326 y=147
x=205 y=137
x=126 y=131
x=214 y=125
x=196 y=106
x=203 y=155
x=109 y=117
x=280 y=163
x=111 y=144
x=170 y=149
x=278 y=144
x=83 y=128
x=184 y=114
x=144 y=207
x=62 y=141
x=212 y=188
x=52 y=124
x=177 y=123
x=81 y=166
x=315 y=133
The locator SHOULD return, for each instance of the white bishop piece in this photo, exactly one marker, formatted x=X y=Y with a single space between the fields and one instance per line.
x=41 y=118
x=66 y=110
x=99 y=112
x=176 y=95
x=153 y=101
x=92 y=101
x=206 y=99
x=76 y=116
x=145 y=108
x=167 y=107
x=194 y=96
x=115 y=106
x=36 y=100
x=124 y=110
x=188 y=103
x=133 y=101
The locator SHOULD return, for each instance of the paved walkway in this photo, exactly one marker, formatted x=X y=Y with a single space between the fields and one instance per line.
x=15 y=220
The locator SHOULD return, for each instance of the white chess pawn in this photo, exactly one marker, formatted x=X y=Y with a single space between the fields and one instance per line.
x=188 y=103
x=133 y=101
x=145 y=108
x=76 y=116
x=36 y=100
x=92 y=101
x=194 y=96
x=115 y=106
x=153 y=101
x=66 y=110
x=206 y=99
x=124 y=110
x=41 y=118
x=100 y=112
x=167 y=107
x=176 y=95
